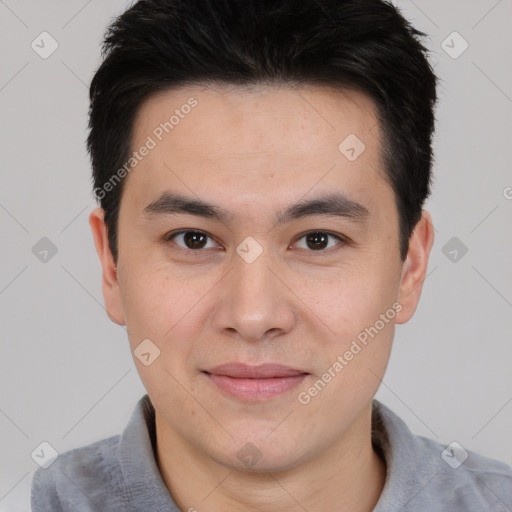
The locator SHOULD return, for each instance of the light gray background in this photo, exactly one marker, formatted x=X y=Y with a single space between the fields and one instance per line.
x=67 y=376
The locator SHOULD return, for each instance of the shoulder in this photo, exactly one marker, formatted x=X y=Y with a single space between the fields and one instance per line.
x=464 y=478
x=424 y=474
x=80 y=479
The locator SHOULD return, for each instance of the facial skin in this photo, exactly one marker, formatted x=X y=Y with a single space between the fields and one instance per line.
x=254 y=152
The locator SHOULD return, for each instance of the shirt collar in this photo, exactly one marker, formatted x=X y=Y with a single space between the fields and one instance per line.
x=407 y=472
x=142 y=480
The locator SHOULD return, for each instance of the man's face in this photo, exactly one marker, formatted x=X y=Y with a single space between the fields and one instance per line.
x=253 y=288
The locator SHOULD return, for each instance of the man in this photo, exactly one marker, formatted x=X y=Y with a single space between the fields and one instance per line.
x=262 y=168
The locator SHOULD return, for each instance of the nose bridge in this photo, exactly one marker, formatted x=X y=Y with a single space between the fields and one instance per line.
x=255 y=301
x=253 y=280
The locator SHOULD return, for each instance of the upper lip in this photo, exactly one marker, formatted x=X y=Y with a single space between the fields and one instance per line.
x=262 y=371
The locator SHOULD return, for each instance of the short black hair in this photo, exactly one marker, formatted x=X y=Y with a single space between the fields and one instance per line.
x=365 y=45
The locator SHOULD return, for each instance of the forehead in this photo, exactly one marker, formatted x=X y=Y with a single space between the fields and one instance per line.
x=237 y=138
x=296 y=114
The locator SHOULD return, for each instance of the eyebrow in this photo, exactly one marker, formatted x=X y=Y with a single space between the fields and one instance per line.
x=333 y=204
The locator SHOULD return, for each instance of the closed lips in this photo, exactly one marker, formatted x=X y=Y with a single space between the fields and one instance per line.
x=263 y=371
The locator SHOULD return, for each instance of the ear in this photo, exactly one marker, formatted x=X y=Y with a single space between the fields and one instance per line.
x=414 y=269
x=110 y=284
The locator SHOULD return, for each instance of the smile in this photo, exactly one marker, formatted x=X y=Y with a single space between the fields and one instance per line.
x=255 y=383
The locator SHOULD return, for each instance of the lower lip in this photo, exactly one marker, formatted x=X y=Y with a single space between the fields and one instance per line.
x=256 y=389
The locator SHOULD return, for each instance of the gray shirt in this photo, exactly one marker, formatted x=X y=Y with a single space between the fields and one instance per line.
x=120 y=473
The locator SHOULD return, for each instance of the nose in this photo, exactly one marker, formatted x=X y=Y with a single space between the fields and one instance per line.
x=255 y=304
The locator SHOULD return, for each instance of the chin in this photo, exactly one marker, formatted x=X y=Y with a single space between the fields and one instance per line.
x=260 y=456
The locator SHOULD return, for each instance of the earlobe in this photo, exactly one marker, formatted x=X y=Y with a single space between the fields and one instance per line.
x=110 y=283
x=414 y=269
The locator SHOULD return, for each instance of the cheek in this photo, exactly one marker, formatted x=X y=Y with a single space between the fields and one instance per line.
x=361 y=312
x=361 y=308
x=167 y=307
x=352 y=298
x=160 y=322
x=152 y=302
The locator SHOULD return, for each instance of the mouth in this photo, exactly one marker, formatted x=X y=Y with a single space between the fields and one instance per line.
x=255 y=383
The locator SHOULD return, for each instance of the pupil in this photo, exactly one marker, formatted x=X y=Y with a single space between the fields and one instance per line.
x=192 y=239
x=317 y=240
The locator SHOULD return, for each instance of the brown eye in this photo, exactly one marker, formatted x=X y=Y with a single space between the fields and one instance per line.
x=317 y=240
x=192 y=240
x=320 y=240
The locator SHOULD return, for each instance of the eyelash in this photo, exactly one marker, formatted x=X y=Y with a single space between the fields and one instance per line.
x=342 y=240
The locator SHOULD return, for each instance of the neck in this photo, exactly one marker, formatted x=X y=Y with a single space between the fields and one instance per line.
x=349 y=476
